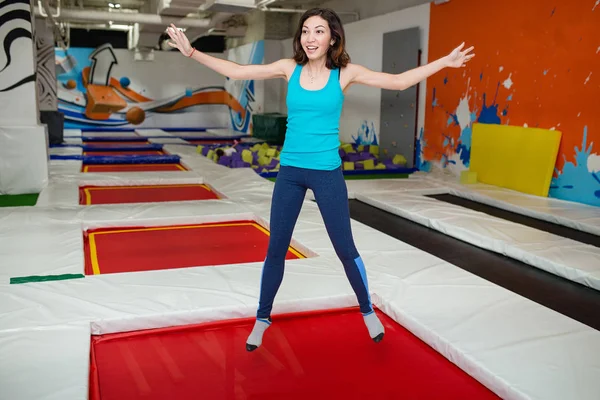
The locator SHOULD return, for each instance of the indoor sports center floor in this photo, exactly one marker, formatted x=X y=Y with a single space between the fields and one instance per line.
x=143 y=284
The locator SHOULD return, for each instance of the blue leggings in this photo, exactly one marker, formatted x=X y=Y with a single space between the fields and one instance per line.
x=331 y=195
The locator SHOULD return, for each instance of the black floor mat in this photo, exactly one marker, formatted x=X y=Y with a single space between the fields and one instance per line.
x=566 y=297
x=555 y=229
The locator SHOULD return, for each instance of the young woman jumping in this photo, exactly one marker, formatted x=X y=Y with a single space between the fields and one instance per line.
x=317 y=77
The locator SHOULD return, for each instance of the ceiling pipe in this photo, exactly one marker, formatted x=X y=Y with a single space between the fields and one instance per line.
x=71 y=14
x=63 y=36
x=300 y=11
x=264 y=3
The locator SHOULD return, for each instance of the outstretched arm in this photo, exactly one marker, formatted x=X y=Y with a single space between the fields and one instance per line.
x=228 y=68
x=359 y=74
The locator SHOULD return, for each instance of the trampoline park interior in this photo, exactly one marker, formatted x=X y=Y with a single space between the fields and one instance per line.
x=136 y=184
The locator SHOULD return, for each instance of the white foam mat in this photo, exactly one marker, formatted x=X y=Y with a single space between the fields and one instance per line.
x=66 y=151
x=151 y=132
x=45 y=363
x=564 y=257
x=109 y=134
x=517 y=348
x=71 y=132
x=573 y=215
x=173 y=140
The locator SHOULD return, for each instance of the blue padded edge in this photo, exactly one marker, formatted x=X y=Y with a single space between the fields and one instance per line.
x=170 y=159
x=134 y=159
x=113 y=139
x=125 y=147
x=109 y=129
x=64 y=157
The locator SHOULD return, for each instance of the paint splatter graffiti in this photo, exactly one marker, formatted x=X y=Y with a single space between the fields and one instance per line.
x=366 y=134
x=522 y=76
x=579 y=180
x=420 y=163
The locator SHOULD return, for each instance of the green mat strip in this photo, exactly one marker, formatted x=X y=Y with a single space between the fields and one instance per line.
x=44 y=278
x=17 y=200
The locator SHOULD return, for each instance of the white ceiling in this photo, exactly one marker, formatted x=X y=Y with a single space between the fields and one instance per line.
x=205 y=16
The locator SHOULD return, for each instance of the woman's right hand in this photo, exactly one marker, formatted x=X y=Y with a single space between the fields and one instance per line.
x=179 y=40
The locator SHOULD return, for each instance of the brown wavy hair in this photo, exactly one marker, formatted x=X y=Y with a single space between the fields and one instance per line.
x=337 y=57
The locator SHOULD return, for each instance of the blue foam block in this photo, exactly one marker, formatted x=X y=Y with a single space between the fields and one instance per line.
x=134 y=159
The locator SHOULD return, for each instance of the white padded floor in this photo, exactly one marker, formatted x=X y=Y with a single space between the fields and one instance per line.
x=517 y=348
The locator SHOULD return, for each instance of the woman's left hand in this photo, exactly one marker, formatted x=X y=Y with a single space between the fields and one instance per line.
x=459 y=58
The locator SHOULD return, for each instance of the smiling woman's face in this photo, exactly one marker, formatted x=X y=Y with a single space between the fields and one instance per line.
x=316 y=37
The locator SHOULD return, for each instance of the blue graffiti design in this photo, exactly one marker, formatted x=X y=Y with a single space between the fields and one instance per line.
x=247 y=92
x=576 y=182
x=420 y=163
x=489 y=115
x=365 y=135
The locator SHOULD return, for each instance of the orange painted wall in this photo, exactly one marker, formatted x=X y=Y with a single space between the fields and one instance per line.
x=537 y=63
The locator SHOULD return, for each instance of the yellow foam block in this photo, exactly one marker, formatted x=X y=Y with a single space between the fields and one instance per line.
x=399 y=159
x=514 y=157
x=247 y=156
x=210 y=154
x=369 y=164
x=374 y=149
x=467 y=177
x=348 y=165
x=347 y=147
x=271 y=152
x=199 y=149
x=380 y=166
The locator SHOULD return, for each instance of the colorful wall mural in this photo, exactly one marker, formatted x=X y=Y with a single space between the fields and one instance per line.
x=366 y=134
x=105 y=88
x=537 y=64
x=248 y=93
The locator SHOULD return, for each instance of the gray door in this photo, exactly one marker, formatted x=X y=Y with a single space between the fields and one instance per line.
x=399 y=108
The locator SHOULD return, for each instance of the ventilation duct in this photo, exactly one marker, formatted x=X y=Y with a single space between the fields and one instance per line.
x=128 y=18
x=178 y=8
x=229 y=6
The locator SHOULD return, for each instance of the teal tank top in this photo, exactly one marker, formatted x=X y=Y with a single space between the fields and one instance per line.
x=312 y=135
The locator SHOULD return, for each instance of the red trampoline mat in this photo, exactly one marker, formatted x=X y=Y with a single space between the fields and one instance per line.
x=132 y=167
x=326 y=355
x=146 y=249
x=125 y=153
x=143 y=194
x=123 y=144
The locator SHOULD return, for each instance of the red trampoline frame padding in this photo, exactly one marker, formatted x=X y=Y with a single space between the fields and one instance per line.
x=326 y=354
x=135 y=249
x=117 y=143
x=89 y=195
x=132 y=167
x=125 y=153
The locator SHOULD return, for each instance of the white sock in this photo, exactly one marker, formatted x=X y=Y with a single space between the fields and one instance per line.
x=255 y=339
x=374 y=326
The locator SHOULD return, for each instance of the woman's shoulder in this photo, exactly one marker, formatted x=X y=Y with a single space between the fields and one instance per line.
x=351 y=68
x=288 y=65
